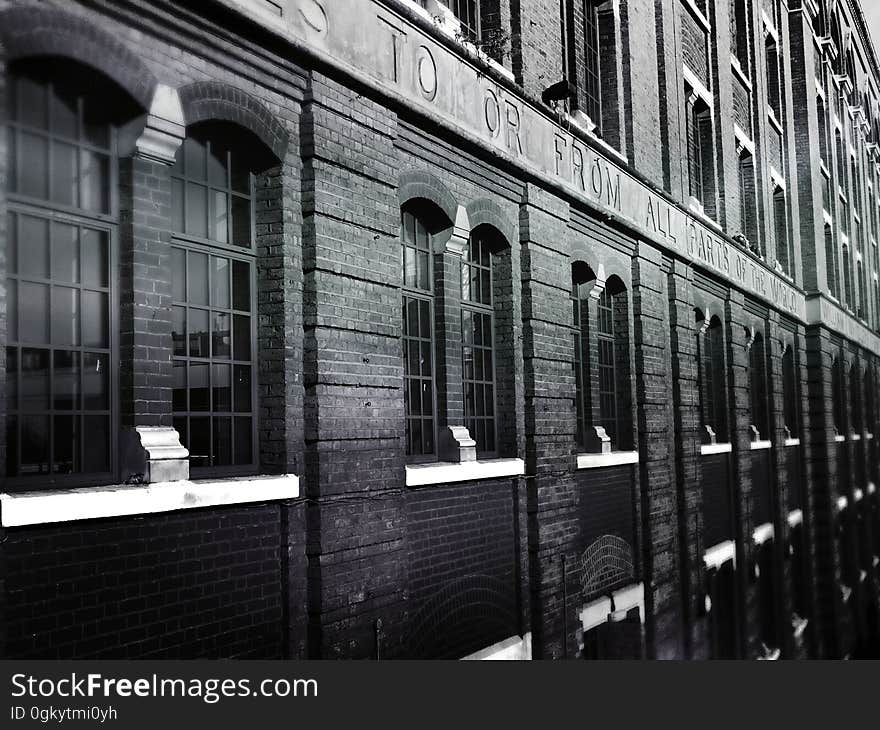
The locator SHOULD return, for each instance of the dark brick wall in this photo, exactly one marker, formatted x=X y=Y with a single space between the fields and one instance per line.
x=202 y=583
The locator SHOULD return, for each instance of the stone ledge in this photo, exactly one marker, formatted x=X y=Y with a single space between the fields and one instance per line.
x=759 y=445
x=709 y=449
x=792 y=442
x=795 y=518
x=719 y=554
x=763 y=533
x=441 y=472
x=612 y=458
x=87 y=503
x=512 y=648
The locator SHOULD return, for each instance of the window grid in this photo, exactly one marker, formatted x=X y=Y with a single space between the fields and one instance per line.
x=468 y=14
x=477 y=325
x=418 y=337
x=593 y=81
x=578 y=320
x=758 y=386
x=214 y=324
x=606 y=364
x=60 y=287
x=710 y=360
x=790 y=393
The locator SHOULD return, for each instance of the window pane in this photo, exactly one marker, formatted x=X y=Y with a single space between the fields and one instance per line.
x=34 y=445
x=197 y=278
x=12 y=243
x=178 y=329
x=96 y=388
x=34 y=312
x=178 y=393
x=244 y=441
x=241 y=286
x=178 y=274
x=217 y=164
x=242 y=337
x=35 y=379
x=67 y=444
x=65 y=316
x=65 y=175
x=95 y=257
x=195 y=157
x=96 y=131
x=177 y=205
x=200 y=441
x=12 y=378
x=220 y=345
x=241 y=176
x=199 y=396
x=197 y=210
x=241 y=221
x=33 y=166
x=32 y=103
x=198 y=333
x=242 y=388
x=65 y=252
x=180 y=424
x=222 y=446
x=12 y=446
x=96 y=448
x=220 y=282
x=219 y=217
x=95 y=324
x=95 y=179
x=65 y=111
x=221 y=387
x=12 y=309
x=66 y=380
x=34 y=247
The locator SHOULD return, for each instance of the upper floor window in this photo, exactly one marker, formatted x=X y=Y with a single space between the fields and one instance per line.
x=478 y=339
x=856 y=399
x=740 y=17
x=468 y=14
x=711 y=379
x=700 y=152
x=784 y=241
x=418 y=335
x=838 y=396
x=748 y=198
x=774 y=78
x=832 y=267
x=60 y=288
x=758 y=387
x=213 y=282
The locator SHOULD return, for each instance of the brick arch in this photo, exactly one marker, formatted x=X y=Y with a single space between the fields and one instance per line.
x=486 y=212
x=418 y=184
x=31 y=31
x=204 y=101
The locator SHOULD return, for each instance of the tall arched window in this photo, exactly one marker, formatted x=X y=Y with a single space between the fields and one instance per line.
x=790 y=393
x=711 y=380
x=855 y=399
x=758 y=386
x=61 y=253
x=838 y=395
x=418 y=335
x=580 y=275
x=478 y=338
x=214 y=297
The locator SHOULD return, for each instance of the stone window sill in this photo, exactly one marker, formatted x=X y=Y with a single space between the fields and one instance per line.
x=613 y=458
x=760 y=445
x=511 y=648
x=792 y=442
x=763 y=533
x=596 y=612
x=88 y=503
x=799 y=627
x=709 y=449
x=795 y=518
x=839 y=438
x=443 y=472
x=719 y=554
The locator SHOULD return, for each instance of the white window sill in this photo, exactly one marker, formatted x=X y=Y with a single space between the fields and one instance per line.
x=760 y=445
x=842 y=502
x=709 y=449
x=771 y=656
x=795 y=518
x=858 y=494
x=763 y=533
x=792 y=442
x=855 y=437
x=719 y=554
x=87 y=503
x=872 y=487
x=840 y=438
x=595 y=613
x=800 y=627
x=512 y=648
x=613 y=458
x=442 y=472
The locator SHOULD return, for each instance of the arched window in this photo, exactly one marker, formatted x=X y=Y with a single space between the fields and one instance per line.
x=855 y=399
x=711 y=379
x=838 y=396
x=758 y=387
x=790 y=406
x=600 y=317
x=61 y=289
x=418 y=334
x=478 y=337
x=214 y=296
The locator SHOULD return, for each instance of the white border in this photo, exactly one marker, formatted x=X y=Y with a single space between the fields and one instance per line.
x=442 y=472
x=595 y=613
x=792 y=442
x=612 y=458
x=763 y=533
x=760 y=445
x=87 y=503
x=795 y=518
x=719 y=554
x=708 y=449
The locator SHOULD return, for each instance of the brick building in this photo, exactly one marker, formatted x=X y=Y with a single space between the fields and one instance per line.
x=387 y=328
